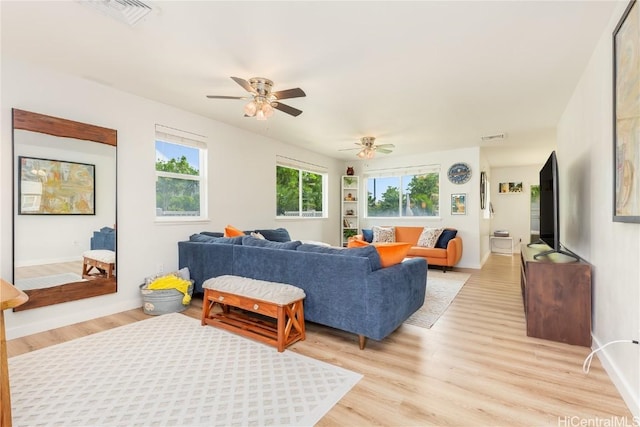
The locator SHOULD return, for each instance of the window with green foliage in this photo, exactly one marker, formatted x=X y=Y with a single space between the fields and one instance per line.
x=299 y=193
x=180 y=178
x=412 y=193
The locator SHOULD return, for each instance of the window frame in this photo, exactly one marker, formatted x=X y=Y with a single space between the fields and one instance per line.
x=400 y=173
x=186 y=139
x=309 y=168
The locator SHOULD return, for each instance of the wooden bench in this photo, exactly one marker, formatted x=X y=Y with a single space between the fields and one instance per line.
x=102 y=260
x=268 y=299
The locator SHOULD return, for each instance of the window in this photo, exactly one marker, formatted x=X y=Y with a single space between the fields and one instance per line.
x=180 y=175
x=413 y=192
x=299 y=191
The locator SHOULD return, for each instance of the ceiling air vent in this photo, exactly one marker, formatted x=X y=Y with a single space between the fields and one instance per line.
x=127 y=11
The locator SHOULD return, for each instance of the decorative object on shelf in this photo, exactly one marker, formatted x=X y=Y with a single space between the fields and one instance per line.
x=349 y=181
x=626 y=144
x=459 y=204
x=483 y=190
x=459 y=173
x=350 y=170
x=510 y=187
x=349 y=198
x=349 y=212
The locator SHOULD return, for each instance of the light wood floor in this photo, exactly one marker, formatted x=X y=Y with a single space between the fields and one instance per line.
x=474 y=367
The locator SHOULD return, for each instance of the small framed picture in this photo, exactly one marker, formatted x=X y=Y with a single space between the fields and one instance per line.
x=510 y=187
x=459 y=204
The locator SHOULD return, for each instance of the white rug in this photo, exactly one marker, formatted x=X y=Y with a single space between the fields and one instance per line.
x=47 y=281
x=442 y=288
x=170 y=371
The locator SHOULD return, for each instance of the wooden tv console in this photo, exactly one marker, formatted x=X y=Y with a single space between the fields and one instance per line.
x=556 y=291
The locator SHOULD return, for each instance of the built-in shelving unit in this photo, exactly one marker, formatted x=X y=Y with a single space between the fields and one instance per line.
x=349 y=205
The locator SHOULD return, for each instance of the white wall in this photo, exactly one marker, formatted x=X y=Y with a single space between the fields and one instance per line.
x=512 y=210
x=241 y=186
x=467 y=225
x=585 y=157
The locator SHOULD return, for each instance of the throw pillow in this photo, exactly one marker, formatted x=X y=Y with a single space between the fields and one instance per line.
x=366 y=252
x=384 y=234
x=390 y=253
x=367 y=235
x=429 y=237
x=275 y=235
x=263 y=243
x=257 y=235
x=212 y=233
x=231 y=231
x=443 y=240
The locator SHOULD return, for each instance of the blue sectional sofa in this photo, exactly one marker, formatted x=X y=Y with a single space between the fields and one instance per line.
x=345 y=288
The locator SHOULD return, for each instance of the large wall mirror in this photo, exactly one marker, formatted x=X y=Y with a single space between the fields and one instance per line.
x=64 y=205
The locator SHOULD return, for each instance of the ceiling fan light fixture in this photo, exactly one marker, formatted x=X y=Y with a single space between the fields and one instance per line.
x=251 y=108
x=267 y=110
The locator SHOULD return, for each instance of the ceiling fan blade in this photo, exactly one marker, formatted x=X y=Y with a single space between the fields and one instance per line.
x=349 y=149
x=245 y=84
x=386 y=146
x=226 y=97
x=289 y=93
x=286 y=109
x=383 y=150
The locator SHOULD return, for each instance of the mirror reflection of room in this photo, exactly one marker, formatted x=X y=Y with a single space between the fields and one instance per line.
x=54 y=230
x=64 y=214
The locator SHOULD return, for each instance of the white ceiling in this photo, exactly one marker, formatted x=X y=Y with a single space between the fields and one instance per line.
x=425 y=76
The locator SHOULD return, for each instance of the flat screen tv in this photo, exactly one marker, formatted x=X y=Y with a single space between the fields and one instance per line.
x=550 y=208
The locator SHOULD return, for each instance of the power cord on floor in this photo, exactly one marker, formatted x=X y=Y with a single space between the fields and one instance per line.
x=587 y=362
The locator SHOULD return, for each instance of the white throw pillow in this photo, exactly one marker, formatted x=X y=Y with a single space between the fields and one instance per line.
x=429 y=237
x=384 y=234
x=257 y=235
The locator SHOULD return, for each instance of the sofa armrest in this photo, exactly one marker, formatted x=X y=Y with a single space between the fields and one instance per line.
x=454 y=251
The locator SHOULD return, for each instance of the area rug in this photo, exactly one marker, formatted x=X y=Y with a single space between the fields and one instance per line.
x=170 y=371
x=442 y=288
x=47 y=281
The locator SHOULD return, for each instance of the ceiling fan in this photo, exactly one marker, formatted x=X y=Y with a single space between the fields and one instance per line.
x=263 y=99
x=368 y=149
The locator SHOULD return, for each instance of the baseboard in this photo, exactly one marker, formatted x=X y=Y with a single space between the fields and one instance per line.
x=633 y=402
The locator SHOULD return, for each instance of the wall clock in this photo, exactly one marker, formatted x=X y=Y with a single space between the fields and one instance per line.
x=459 y=173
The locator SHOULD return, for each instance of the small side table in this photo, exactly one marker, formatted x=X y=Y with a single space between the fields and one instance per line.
x=10 y=297
x=501 y=245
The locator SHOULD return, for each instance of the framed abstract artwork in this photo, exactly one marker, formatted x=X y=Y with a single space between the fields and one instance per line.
x=626 y=116
x=55 y=187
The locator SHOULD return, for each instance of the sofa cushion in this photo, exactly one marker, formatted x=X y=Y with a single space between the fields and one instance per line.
x=367 y=235
x=431 y=253
x=391 y=253
x=447 y=234
x=275 y=235
x=263 y=243
x=220 y=240
x=212 y=233
x=365 y=252
x=429 y=237
x=231 y=231
x=384 y=234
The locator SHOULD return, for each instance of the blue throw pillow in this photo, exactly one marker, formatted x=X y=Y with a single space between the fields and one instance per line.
x=364 y=252
x=263 y=243
x=443 y=240
x=201 y=238
x=367 y=234
x=276 y=235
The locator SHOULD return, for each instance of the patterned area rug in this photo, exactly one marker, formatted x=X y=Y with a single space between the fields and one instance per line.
x=170 y=371
x=47 y=281
x=442 y=288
